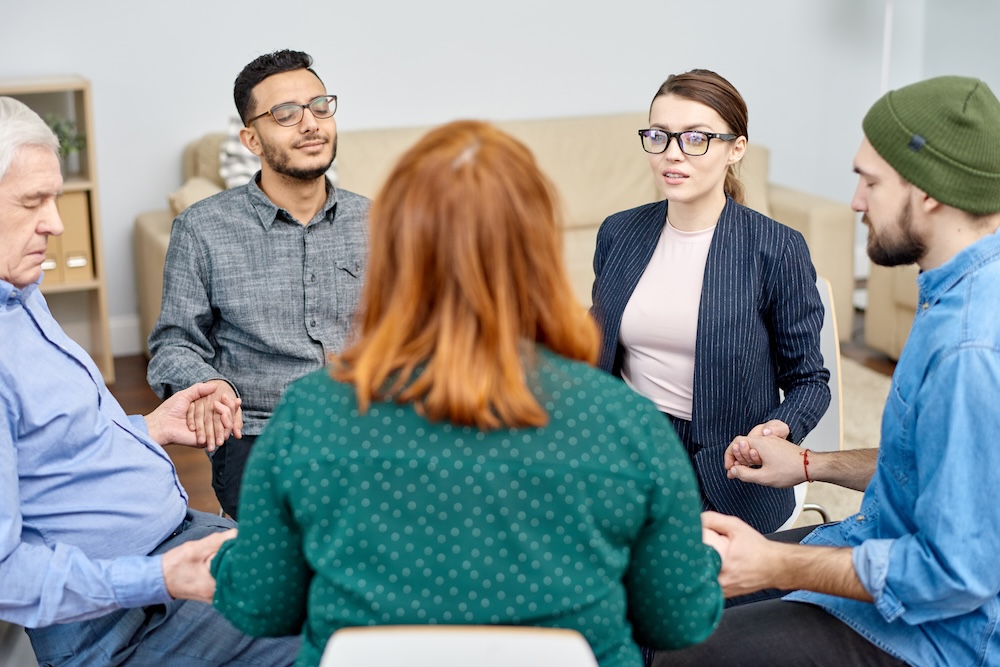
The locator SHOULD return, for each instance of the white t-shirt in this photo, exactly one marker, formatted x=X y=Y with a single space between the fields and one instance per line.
x=660 y=322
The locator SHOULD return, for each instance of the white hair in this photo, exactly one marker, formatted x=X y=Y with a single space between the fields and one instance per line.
x=20 y=126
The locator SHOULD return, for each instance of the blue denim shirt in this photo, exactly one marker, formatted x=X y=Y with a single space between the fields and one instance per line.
x=929 y=526
x=85 y=493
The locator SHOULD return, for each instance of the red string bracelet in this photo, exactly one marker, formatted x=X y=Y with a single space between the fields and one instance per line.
x=805 y=463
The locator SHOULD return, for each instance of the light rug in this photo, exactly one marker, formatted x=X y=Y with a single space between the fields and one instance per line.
x=864 y=392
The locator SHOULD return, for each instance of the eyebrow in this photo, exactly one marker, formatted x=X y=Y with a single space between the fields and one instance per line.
x=861 y=172
x=690 y=128
x=40 y=195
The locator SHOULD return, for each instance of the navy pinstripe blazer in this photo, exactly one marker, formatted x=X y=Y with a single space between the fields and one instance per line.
x=758 y=331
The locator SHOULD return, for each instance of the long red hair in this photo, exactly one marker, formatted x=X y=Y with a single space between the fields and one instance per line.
x=464 y=271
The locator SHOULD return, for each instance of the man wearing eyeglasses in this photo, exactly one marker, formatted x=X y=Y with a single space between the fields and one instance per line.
x=261 y=281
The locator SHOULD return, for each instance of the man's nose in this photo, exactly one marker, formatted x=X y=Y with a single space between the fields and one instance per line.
x=51 y=223
x=858 y=203
x=308 y=122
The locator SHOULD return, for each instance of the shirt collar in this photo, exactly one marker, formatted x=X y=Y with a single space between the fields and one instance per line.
x=267 y=210
x=935 y=282
x=8 y=292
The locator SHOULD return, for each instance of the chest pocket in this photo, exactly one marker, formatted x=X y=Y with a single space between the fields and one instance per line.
x=353 y=266
x=897 y=436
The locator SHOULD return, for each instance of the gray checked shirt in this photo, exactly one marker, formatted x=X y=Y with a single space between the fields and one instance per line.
x=253 y=297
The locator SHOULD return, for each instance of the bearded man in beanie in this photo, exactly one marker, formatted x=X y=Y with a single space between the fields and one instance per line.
x=910 y=579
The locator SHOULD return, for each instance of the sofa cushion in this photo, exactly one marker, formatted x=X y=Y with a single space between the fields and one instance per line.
x=596 y=163
x=236 y=163
x=194 y=190
x=753 y=170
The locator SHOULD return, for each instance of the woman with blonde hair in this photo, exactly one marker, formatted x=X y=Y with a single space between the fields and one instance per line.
x=462 y=462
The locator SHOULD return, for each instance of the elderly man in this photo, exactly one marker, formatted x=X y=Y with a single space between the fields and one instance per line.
x=98 y=549
x=910 y=579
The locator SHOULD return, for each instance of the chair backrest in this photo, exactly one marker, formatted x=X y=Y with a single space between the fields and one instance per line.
x=828 y=436
x=457 y=646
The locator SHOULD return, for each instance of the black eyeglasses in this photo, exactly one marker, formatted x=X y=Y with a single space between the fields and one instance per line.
x=290 y=113
x=691 y=143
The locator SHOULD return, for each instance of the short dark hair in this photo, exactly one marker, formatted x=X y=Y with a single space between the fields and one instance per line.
x=262 y=67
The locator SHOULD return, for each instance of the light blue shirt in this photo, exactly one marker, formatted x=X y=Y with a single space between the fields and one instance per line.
x=85 y=493
x=928 y=533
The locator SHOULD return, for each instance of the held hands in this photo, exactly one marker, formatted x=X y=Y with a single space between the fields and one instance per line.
x=748 y=557
x=777 y=462
x=170 y=422
x=186 y=570
x=774 y=427
x=214 y=417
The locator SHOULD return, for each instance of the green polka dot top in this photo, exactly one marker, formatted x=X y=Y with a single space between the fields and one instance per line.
x=590 y=522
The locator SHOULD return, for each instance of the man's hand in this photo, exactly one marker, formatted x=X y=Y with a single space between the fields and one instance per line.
x=715 y=540
x=780 y=462
x=168 y=423
x=212 y=425
x=773 y=427
x=186 y=569
x=748 y=558
x=752 y=562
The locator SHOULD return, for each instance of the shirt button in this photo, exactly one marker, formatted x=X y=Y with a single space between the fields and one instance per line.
x=312 y=323
x=312 y=277
x=925 y=305
x=861 y=517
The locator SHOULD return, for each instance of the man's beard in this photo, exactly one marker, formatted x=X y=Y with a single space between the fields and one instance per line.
x=908 y=248
x=278 y=160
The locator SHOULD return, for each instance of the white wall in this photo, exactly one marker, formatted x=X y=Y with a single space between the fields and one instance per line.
x=162 y=74
x=961 y=38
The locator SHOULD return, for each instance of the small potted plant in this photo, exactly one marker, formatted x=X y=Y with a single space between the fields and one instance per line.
x=70 y=142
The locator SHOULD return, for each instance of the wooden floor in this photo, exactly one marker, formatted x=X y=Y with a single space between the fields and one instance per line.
x=193 y=466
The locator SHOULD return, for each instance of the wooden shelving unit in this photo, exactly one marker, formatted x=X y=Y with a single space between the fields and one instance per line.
x=74 y=282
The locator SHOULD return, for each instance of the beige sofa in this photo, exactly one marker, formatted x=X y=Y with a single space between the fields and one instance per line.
x=892 y=303
x=596 y=164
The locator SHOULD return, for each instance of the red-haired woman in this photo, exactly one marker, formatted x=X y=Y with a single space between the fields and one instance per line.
x=462 y=462
x=708 y=308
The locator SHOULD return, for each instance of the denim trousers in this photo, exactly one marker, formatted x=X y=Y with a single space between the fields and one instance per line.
x=178 y=633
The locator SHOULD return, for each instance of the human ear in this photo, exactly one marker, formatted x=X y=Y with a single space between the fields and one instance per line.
x=737 y=149
x=927 y=203
x=248 y=138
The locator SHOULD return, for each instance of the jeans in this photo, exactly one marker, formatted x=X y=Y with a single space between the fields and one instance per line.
x=179 y=633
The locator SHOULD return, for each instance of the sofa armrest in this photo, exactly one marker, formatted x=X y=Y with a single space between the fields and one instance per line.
x=828 y=227
x=892 y=303
x=152 y=236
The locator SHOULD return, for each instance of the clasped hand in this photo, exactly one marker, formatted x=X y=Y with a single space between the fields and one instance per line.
x=765 y=457
x=203 y=415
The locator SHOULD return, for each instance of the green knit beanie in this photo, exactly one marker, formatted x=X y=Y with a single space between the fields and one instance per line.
x=943 y=136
